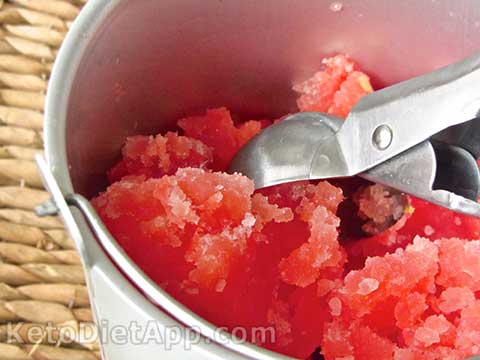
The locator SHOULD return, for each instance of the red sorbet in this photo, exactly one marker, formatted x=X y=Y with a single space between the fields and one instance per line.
x=278 y=258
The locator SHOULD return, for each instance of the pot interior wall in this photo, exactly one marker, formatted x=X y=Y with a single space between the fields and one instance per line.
x=154 y=61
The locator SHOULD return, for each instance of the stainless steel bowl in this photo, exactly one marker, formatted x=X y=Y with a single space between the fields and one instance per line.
x=131 y=67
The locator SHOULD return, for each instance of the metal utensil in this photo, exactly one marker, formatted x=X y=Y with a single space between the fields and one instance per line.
x=417 y=136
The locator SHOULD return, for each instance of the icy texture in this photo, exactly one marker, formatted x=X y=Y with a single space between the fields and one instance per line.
x=302 y=267
x=209 y=211
x=281 y=258
x=381 y=206
x=406 y=304
x=334 y=89
x=155 y=156
x=216 y=129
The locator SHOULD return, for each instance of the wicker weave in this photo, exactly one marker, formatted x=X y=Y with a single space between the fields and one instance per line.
x=42 y=284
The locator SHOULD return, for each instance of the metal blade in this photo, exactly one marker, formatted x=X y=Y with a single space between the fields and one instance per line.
x=300 y=147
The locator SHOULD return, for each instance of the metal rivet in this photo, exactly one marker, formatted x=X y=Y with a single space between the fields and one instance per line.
x=47 y=208
x=382 y=137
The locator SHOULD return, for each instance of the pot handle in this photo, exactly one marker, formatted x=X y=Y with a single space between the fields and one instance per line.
x=60 y=204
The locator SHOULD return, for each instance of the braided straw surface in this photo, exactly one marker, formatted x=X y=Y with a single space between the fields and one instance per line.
x=42 y=284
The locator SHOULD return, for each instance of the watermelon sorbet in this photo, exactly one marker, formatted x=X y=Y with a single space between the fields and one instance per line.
x=340 y=269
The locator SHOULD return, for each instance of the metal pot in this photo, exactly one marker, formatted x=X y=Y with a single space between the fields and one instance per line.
x=131 y=67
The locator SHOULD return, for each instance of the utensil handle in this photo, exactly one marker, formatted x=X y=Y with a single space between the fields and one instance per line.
x=413 y=111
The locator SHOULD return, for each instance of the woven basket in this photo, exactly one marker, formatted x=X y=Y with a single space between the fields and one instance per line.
x=44 y=306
